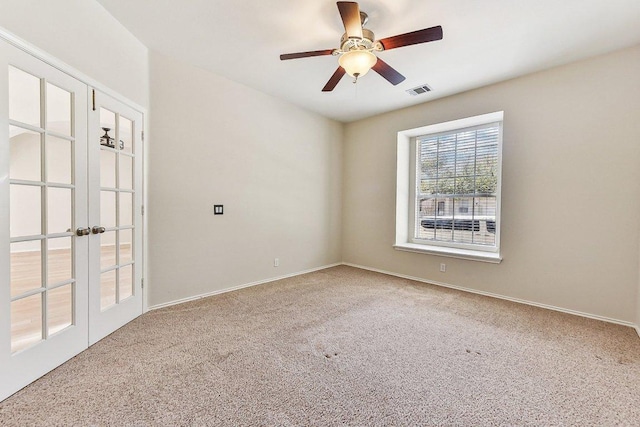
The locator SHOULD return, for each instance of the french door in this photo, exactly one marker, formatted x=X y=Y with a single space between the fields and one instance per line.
x=70 y=225
x=115 y=201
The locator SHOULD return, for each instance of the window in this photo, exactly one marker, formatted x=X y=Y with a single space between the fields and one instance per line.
x=448 y=195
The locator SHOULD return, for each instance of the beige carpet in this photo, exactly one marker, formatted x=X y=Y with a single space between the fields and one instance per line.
x=344 y=346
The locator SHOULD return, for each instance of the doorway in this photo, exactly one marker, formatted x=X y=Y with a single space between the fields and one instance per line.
x=70 y=217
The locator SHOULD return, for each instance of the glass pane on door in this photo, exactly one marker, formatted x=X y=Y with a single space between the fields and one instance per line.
x=25 y=210
x=25 y=154
x=126 y=209
x=59 y=261
x=107 y=249
x=26 y=267
x=107 y=168
x=107 y=289
x=126 y=172
x=108 y=209
x=126 y=282
x=59 y=210
x=108 y=127
x=26 y=322
x=125 y=246
x=59 y=160
x=60 y=309
x=58 y=110
x=126 y=135
x=24 y=97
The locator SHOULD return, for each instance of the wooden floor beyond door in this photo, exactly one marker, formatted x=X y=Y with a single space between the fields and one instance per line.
x=26 y=314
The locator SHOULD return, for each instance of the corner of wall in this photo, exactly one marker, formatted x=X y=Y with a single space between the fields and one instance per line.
x=544 y=249
x=638 y=298
x=343 y=143
x=276 y=167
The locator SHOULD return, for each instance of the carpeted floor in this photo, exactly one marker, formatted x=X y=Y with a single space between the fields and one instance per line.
x=345 y=346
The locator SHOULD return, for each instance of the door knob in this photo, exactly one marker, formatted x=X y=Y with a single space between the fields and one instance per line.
x=83 y=231
x=97 y=230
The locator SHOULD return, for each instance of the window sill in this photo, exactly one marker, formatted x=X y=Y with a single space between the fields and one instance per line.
x=472 y=255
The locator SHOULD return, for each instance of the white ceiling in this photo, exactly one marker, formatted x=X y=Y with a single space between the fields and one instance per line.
x=484 y=42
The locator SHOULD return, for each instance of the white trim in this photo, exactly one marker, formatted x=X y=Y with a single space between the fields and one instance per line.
x=406 y=184
x=638 y=330
x=446 y=251
x=145 y=214
x=235 y=288
x=482 y=119
x=65 y=68
x=502 y=297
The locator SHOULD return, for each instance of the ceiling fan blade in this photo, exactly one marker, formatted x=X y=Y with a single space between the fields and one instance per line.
x=415 y=37
x=350 y=14
x=305 y=54
x=388 y=72
x=333 y=81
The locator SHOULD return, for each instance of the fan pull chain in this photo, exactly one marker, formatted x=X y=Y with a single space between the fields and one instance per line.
x=355 y=81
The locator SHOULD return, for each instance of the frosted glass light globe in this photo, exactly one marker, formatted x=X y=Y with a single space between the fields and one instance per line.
x=357 y=62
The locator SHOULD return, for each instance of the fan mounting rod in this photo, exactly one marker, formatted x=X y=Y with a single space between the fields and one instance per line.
x=364 y=18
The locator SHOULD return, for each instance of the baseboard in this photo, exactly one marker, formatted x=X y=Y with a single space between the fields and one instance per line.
x=235 y=288
x=503 y=297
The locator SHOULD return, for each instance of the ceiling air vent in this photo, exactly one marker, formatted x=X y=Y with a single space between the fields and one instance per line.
x=419 y=90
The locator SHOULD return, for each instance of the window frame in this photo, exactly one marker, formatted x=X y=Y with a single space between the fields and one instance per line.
x=406 y=199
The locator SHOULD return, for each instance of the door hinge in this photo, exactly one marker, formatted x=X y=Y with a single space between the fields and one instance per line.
x=142 y=134
x=142 y=283
x=142 y=209
x=93 y=99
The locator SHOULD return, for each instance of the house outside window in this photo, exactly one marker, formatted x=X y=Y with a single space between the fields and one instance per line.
x=463 y=206
x=449 y=178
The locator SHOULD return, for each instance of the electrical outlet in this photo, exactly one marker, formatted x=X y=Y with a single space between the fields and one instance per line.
x=443 y=267
x=276 y=262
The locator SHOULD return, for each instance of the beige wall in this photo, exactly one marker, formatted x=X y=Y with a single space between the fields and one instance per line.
x=84 y=35
x=571 y=180
x=274 y=167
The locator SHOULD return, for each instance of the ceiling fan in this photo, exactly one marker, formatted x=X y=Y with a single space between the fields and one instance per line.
x=357 y=45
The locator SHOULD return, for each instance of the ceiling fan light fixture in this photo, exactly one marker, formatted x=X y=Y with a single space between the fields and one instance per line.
x=357 y=45
x=357 y=63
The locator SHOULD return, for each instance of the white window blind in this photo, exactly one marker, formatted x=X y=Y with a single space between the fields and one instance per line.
x=457 y=187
